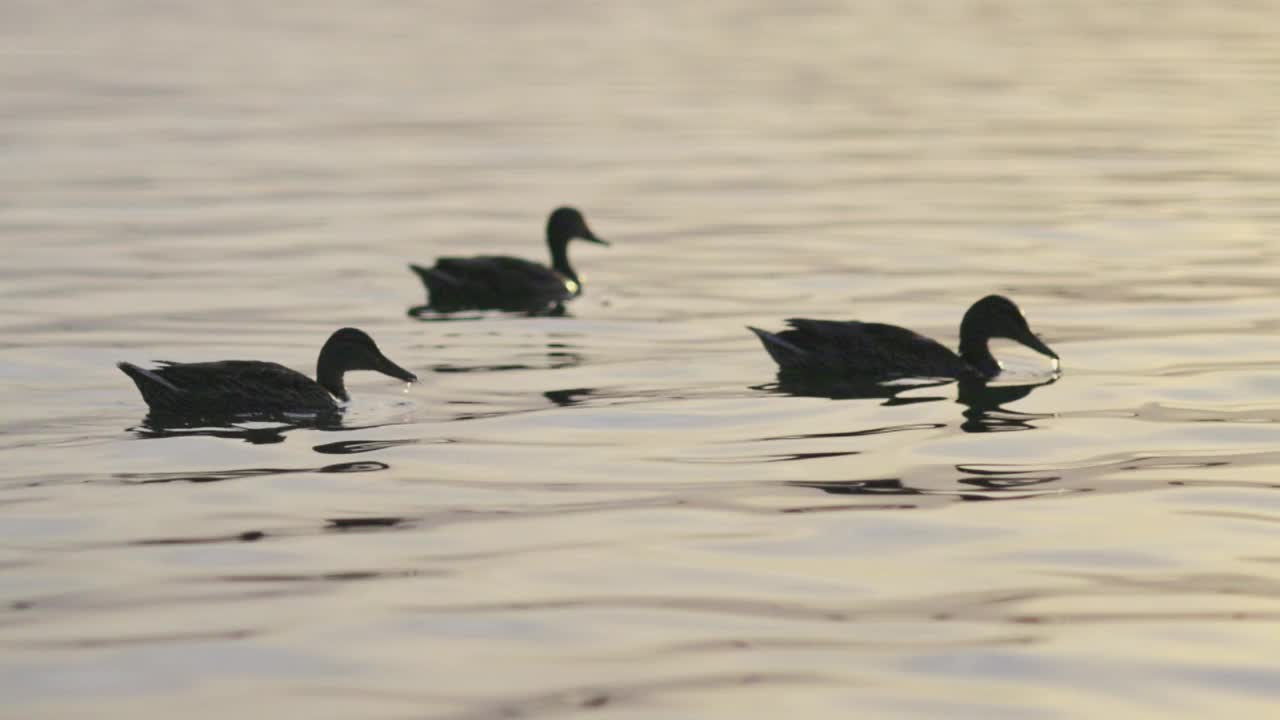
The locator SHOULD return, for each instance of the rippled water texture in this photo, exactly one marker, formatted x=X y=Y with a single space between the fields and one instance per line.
x=616 y=512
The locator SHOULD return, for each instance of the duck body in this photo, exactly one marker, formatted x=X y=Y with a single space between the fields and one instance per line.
x=500 y=282
x=852 y=348
x=228 y=387
x=252 y=387
x=856 y=349
x=493 y=282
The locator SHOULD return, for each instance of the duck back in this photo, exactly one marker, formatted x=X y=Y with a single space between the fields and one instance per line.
x=493 y=282
x=228 y=387
x=852 y=348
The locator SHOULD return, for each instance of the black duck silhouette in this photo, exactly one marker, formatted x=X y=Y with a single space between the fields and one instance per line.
x=248 y=387
x=499 y=282
x=845 y=349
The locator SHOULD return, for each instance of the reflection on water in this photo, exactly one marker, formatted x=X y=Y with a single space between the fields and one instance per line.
x=365 y=522
x=430 y=313
x=603 y=509
x=984 y=402
x=569 y=397
x=555 y=358
x=254 y=432
x=854 y=388
x=351 y=447
x=221 y=475
x=984 y=406
x=966 y=489
x=265 y=432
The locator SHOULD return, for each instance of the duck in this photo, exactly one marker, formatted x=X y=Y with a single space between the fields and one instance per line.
x=875 y=350
x=500 y=282
x=250 y=387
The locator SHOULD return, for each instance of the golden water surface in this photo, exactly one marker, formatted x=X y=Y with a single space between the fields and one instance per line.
x=614 y=513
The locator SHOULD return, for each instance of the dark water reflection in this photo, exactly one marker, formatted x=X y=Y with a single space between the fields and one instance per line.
x=222 y=475
x=856 y=389
x=984 y=406
x=983 y=488
x=272 y=432
x=984 y=402
x=570 y=397
x=265 y=431
x=555 y=358
x=431 y=313
x=352 y=447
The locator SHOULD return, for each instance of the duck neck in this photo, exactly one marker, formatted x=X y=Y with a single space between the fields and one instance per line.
x=329 y=375
x=560 y=257
x=974 y=350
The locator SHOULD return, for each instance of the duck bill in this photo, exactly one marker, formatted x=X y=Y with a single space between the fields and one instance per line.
x=1035 y=343
x=591 y=237
x=386 y=367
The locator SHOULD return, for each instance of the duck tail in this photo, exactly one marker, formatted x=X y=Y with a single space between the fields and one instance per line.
x=434 y=277
x=786 y=354
x=150 y=384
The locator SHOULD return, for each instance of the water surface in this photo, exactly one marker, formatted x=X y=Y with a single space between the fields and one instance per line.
x=615 y=512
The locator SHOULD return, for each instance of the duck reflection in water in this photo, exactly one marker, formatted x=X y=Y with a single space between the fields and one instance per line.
x=984 y=402
x=212 y=476
x=558 y=355
x=570 y=396
x=984 y=406
x=968 y=488
x=156 y=426
x=159 y=425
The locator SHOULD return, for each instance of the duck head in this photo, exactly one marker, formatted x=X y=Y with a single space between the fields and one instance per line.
x=996 y=316
x=352 y=349
x=566 y=224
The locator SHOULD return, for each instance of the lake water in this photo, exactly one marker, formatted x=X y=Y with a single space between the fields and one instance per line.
x=615 y=513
